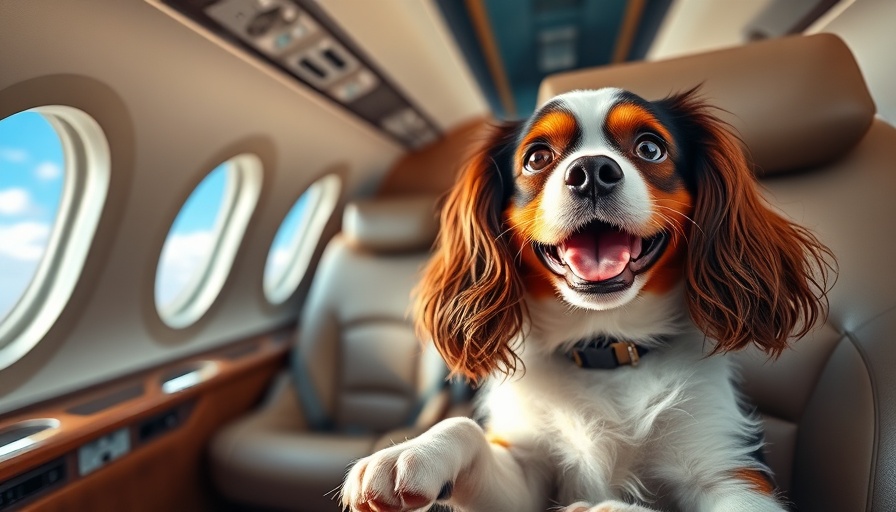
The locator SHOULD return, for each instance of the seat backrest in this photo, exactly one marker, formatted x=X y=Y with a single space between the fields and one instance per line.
x=802 y=109
x=357 y=364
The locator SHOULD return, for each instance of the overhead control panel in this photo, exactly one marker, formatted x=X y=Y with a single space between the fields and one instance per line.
x=300 y=39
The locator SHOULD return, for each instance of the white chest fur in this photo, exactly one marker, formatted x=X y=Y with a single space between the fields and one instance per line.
x=601 y=434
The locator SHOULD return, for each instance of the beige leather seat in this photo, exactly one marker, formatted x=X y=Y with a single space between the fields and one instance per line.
x=803 y=110
x=359 y=377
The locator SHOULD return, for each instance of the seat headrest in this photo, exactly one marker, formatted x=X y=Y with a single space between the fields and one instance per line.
x=400 y=224
x=796 y=102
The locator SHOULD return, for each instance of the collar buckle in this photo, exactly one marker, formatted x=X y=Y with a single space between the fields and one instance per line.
x=626 y=353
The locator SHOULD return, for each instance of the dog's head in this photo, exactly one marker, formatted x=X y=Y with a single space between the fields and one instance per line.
x=602 y=196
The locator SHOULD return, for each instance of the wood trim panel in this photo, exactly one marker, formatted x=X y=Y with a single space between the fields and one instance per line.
x=483 y=27
x=627 y=31
x=165 y=472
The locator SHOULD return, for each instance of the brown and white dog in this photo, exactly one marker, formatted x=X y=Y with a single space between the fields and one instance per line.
x=604 y=231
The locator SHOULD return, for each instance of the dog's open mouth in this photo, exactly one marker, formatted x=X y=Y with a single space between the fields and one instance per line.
x=601 y=258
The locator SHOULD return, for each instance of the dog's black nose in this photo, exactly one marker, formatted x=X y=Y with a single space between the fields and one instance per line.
x=593 y=176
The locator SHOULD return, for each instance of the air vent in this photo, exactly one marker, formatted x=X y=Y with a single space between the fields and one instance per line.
x=163 y=423
x=557 y=48
x=298 y=38
x=16 y=491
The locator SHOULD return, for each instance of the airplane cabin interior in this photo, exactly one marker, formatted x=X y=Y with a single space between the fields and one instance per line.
x=214 y=213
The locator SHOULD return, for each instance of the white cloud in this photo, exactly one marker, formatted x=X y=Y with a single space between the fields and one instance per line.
x=48 y=171
x=182 y=257
x=14 y=155
x=24 y=241
x=14 y=201
x=277 y=263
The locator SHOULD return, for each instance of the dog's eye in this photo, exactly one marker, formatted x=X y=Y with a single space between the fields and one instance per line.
x=538 y=159
x=650 y=149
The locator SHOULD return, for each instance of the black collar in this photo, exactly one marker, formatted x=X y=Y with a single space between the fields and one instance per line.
x=603 y=353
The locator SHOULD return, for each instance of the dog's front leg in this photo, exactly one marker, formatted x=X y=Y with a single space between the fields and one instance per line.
x=453 y=461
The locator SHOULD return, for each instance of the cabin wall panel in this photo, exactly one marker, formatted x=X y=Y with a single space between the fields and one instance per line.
x=693 y=26
x=190 y=104
x=867 y=28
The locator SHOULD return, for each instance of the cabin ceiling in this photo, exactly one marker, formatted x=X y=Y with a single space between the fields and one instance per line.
x=512 y=45
x=535 y=38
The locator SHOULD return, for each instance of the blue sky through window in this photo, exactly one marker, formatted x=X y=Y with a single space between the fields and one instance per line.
x=190 y=239
x=31 y=179
x=280 y=255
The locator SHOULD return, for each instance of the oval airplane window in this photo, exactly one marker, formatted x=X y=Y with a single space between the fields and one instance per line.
x=203 y=240
x=297 y=237
x=54 y=177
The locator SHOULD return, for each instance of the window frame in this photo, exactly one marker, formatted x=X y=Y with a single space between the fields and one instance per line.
x=326 y=192
x=85 y=186
x=241 y=192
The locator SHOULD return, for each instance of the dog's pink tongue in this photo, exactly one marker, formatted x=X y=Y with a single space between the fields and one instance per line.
x=598 y=256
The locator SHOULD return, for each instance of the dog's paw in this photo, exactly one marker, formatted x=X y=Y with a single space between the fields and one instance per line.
x=606 y=506
x=397 y=479
x=412 y=475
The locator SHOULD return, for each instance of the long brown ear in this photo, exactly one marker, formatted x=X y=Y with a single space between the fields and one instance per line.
x=752 y=275
x=470 y=297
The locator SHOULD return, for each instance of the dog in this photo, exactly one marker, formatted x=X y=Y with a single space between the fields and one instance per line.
x=594 y=264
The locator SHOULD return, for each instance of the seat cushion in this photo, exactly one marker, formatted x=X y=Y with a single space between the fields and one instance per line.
x=289 y=470
x=265 y=459
x=840 y=459
x=399 y=224
x=270 y=459
x=358 y=364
